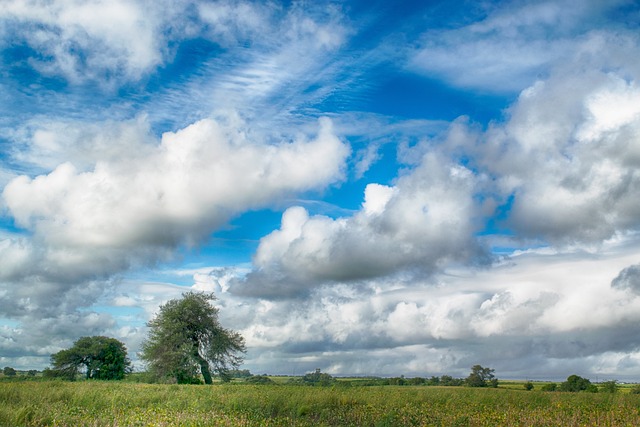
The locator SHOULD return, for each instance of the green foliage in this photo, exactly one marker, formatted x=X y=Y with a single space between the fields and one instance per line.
x=417 y=381
x=481 y=377
x=259 y=379
x=101 y=358
x=575 y=383
x=550 y=387
x=240 y=373
x=448 y=380
x=635 y=389
x=318 y=378
x=528 y=386
x=398 y=381
x=186 y=342
x=102 y=404
x=609 y=386
x=9 y=372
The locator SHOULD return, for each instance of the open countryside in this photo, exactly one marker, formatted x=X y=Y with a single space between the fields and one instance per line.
x=92 y=384
x=346 y=403
x=319 y=213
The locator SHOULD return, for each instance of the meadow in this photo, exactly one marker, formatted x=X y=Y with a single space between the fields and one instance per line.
x=95 y=403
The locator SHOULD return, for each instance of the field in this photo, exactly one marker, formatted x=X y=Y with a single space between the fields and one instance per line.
x=54 y=403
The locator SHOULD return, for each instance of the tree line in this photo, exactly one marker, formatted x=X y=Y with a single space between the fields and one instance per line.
x=187 y=345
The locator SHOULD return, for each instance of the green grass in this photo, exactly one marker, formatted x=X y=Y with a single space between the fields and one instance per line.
x=52 y=403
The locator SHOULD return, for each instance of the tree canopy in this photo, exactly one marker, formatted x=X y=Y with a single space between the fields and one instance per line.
x=481 y=377
x=577 y=383
x=186 y=340
x=9 y=371
x=318 y=378
x=100 y=357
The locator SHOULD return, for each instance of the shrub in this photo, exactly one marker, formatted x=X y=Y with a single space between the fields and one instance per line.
x=259 y=379
x=609 y=386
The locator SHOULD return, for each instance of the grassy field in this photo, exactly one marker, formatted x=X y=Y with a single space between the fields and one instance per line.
x=52 y=403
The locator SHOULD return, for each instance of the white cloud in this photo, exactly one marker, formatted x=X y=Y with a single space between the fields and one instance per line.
x=138 y=207
x=568 y=162
x=421 y=224
x=511 y=47
x=538 y=314
x=88 y=40
x=117 y=42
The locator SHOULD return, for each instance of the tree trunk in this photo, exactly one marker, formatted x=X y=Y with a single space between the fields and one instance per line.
x=204 y=367
x=88 y=374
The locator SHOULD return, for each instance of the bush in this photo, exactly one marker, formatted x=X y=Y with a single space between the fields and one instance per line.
x=609 y=386
x=259 y=379
x=575 y=383
x=9 y=372
x=318 y=378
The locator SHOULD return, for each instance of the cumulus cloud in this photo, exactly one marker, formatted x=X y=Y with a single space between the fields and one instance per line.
x=539 y=314
x=88 y=225
x=564 y=161
x=629 y=278
x=422 y=223
x=570 y=164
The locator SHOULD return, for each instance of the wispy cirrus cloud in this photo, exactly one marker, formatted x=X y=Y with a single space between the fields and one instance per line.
x=512 y=46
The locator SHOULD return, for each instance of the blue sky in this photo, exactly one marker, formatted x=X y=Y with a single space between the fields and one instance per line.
x=370 y=188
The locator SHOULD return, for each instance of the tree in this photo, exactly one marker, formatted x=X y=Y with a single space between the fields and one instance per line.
x=9 y=372
x=259 y=379
x=100 y=357
x=481 y=377
x=609 y=386
x=318 y=378
x=448 y=380
x=528 y=385
x=576 y=383
x=186 y=340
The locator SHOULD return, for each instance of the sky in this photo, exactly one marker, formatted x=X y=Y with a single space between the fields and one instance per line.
x=368 y=187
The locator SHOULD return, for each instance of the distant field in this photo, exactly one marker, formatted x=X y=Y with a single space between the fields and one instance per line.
x=51 y=403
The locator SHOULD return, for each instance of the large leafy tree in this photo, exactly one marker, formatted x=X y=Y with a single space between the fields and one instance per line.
x=100 y=357
x=481 y=377
x=186 y=340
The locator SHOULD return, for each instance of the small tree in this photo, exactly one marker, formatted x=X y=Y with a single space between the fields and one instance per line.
x=609 y=386
x=100 y=357
x=575 y=383
x=481 y=377
x=186 y=340
x=318 y=378
x=528 y=386
x=9 y=372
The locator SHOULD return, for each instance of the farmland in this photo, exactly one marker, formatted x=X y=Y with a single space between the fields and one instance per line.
x=96 y=403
